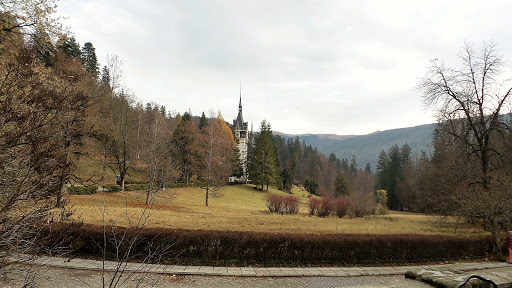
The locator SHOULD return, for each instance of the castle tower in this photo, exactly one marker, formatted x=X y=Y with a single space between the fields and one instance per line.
x=241 y=135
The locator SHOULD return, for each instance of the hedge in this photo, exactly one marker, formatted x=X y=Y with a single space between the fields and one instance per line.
x=82 y=190
x=200 y=247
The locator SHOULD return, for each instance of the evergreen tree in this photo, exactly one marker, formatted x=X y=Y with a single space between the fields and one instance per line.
x=105 y=76
x=264 y=163
x=342 y=185
x=405 y=154
x=381 y=172
x=162 y=111
x=332 y=157
x=69 y=47
x=368 y=168
x=353 y=165
x=187 y=116
x=345 y=167
x=203 y=122
x=394 y=172
x=89 y=59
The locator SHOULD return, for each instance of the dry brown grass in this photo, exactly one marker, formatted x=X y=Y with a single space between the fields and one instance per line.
x=241 y=208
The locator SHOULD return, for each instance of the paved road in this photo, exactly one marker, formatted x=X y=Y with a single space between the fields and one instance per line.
x=62 y=278
x=56 y=272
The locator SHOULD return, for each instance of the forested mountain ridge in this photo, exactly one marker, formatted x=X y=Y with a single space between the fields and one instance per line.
x=366 y=148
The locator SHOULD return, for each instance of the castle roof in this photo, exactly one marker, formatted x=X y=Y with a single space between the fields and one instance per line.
x=239 y=123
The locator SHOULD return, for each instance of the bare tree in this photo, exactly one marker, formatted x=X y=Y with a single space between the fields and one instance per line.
x=218 y=154
x=469 y=102
x=156 y=154
x=121 y=144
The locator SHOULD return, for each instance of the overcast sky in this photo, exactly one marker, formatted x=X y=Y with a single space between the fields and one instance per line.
x=332 y=67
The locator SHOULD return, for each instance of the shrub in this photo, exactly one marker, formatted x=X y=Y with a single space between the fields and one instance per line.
x=282 y=204
x=314 y=204
x=135 y=187
x=341 y=206
x=325 y=207
x=82 y=190
x=113 y=188
x=291 y=205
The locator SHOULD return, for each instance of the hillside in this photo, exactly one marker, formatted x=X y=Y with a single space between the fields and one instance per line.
x=242 y=208
x=366 y=148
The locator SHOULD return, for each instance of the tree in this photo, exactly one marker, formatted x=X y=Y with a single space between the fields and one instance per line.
x=30 y=16
x=353 y=166
x=185 y=148
x=42 y=115
x=155 y=154
x=120 y=139
x=89 y=59
x=469 y=102
x=69 y=46
x=368 y=168
x=363 y=195
x=219 y=154
x=264 y=164
x=381 y=173
x=342 y=185
x=203 y=122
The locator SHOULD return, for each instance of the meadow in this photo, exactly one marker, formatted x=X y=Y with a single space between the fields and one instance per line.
x=242 y=208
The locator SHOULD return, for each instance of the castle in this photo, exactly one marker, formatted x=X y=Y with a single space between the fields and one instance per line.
x=242 y=138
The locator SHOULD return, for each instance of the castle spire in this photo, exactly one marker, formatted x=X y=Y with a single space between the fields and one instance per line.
x=240 y=103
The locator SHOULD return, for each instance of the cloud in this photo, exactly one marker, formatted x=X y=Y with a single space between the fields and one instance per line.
x=345 y=67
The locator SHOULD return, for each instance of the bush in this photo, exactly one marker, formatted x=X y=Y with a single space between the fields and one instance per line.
x=325 y=207
x=341 y=206
x=135 y=187
x=291 y=205
x=113 y=188
x=282 y=204
x=82 y=190
x=314 y=204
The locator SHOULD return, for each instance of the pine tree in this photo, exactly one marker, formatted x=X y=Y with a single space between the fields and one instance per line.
x=264 y=165
x=203 y=122
x=69 y=47
x=89 y=59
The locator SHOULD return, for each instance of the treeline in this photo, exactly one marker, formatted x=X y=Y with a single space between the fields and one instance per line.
x=320 y=175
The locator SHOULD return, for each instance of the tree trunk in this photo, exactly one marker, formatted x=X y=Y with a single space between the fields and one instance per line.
x=207 y=191
x=495 y=230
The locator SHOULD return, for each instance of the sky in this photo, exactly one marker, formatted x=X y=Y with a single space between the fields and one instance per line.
x=324 y=67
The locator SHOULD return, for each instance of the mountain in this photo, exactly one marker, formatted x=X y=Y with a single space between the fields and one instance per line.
x=366 y=148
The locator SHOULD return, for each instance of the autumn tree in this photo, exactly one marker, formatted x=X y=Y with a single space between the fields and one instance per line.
x=42 y=114
x=218 y=154
x=469 y=101
x=185 y=149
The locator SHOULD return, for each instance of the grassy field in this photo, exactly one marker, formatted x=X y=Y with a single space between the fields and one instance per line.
x=241 y=208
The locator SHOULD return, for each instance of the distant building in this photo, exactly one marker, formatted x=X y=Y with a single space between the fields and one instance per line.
x=242 y=138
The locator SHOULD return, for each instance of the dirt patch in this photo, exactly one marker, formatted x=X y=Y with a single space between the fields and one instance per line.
x=155 y=206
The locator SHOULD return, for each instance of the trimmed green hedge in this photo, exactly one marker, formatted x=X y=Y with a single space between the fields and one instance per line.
x=200 y=247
